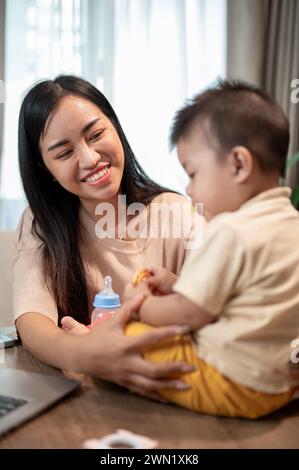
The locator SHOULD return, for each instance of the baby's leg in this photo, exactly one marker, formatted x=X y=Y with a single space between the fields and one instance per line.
x=210 y=392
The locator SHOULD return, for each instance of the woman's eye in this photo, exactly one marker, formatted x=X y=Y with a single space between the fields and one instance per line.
x=94 y=137
x=65 y=154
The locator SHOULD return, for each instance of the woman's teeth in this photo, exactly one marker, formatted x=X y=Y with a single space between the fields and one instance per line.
x=98 y=175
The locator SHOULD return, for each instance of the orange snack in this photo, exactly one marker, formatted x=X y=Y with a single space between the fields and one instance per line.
x=139 y=275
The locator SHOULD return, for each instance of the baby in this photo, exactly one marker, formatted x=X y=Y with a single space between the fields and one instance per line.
x=238 y=292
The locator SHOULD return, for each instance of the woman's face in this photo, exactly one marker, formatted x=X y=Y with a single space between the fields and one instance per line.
x=83 y=152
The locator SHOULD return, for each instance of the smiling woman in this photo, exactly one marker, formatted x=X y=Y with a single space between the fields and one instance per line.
x=74 y=155
x=68 y=131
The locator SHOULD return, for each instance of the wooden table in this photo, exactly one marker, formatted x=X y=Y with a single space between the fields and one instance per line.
x=100 y=408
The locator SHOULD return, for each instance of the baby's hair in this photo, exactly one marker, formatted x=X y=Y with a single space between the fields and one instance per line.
x=236 y=113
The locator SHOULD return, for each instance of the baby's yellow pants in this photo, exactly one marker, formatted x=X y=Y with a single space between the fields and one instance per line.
x=210 y=392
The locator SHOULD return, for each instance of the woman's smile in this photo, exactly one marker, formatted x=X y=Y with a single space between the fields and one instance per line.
x=99 y=176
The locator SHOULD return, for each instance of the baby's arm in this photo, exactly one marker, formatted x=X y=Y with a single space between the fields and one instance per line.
x=173 y=309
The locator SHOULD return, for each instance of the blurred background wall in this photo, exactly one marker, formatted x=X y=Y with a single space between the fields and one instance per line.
x=147 y=57
x=263 y=48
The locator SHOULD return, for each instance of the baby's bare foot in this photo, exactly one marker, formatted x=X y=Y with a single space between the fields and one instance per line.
x=72 y=326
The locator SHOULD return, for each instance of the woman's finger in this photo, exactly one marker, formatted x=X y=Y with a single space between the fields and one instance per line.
x=137 y=343
x=127 y=311
x=150 y=385
x=151 y=395
x=70 y=325
x=161 y=370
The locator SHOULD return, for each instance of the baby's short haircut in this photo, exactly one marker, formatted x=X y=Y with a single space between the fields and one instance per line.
x=236 y=113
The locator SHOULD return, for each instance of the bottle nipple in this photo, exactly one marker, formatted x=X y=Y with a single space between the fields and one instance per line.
x=107 y=286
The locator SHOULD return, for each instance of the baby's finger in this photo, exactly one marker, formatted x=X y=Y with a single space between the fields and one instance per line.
x=155 y=281
x=153 y=270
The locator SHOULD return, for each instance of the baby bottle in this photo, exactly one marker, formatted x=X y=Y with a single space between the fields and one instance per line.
x=106 y=302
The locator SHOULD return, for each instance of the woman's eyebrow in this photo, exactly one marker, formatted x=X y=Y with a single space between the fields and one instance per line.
x=65 y=141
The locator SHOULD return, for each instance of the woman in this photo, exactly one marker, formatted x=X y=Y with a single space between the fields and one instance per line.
x=74 y=155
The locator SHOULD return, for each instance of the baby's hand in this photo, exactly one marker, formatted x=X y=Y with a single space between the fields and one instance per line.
x=131 y=291
x=161 y=281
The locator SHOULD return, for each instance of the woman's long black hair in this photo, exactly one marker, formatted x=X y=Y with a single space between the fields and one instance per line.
x=55 y=210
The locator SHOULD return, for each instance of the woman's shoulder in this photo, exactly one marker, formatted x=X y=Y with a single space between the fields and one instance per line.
x=24 y=235
x=171 y=212
x=171 y=206
x=170 y=198
x=25 y=221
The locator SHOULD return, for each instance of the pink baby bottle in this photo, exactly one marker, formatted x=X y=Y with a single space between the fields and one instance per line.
x=106 y=302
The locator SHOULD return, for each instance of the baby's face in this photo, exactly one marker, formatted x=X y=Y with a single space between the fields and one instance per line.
x=210 y=180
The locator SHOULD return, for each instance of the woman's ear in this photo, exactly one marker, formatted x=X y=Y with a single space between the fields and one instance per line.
x=241 y=163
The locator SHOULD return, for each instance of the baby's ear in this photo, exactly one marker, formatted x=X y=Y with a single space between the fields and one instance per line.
x=240 y=161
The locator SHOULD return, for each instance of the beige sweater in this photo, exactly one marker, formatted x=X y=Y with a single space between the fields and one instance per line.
x=110 y=256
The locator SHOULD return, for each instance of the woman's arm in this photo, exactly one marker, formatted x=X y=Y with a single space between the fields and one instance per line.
x=105 y=352
x=46 y=341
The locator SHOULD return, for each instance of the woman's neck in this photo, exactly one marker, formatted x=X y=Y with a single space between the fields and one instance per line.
x=113 y=212
x=94 y=210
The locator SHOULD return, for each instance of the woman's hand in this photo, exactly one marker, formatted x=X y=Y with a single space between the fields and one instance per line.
x=161 y=281
x=108 y=353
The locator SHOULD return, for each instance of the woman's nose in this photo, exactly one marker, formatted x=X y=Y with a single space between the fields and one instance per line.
x=88 y=157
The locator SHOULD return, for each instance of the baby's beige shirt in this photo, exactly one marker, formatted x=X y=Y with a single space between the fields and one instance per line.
x=246 y=274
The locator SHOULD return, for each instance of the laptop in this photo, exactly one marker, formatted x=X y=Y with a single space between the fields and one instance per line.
x=8 y=337
x=23 y=395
